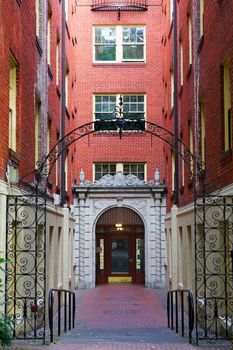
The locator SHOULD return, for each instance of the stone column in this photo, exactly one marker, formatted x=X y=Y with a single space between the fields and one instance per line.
x=66 y=256
x=174 y=232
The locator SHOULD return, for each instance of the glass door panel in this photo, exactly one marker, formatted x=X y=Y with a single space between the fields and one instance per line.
x=99 y=255
x=120 y=256
x=140 y=255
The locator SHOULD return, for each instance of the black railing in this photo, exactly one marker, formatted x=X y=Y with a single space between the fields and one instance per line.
x=62 y=304
x=119 y=4
x=179 y=301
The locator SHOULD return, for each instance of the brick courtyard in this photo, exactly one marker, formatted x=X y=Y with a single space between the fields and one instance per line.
x=120 y=317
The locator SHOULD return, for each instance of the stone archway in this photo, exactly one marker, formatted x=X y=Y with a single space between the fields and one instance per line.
x=147 y=201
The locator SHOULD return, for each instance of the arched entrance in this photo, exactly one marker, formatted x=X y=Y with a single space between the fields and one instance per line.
x=120 y=253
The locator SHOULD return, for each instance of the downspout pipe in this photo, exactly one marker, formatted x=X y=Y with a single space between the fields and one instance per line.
x=176 y=112
x=63 y=101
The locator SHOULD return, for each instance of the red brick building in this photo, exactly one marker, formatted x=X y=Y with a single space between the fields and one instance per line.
x=204 y=95
x=69 y=63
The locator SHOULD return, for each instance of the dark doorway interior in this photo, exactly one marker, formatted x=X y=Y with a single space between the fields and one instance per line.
x=120 y=252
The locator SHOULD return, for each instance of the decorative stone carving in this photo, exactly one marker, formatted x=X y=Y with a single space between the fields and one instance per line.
x=119 y=180
x=81 y=176
x=141 y=203
x=98 y=204
x=156 y=180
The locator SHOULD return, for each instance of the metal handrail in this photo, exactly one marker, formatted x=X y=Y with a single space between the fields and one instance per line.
x=71 y=310
x=174 y=306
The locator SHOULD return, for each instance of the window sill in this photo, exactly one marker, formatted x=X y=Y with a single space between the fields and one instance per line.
x=189 y=72
x=120 y=64
x=39 y=47
x=226 y=157
x=50 y=72
x=200 y=45
x=14 y=157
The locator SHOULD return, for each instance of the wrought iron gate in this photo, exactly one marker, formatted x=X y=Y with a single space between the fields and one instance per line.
x=26 y=240
x=26 y=269
x=213 y=275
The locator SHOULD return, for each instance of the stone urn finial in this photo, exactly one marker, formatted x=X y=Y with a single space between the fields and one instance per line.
x=81 y=176
x=157 y=176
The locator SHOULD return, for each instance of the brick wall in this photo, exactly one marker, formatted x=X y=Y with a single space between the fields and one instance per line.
x=118 y=78
x=208 y=53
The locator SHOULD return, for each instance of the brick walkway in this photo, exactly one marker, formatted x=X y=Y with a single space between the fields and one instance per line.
x=120 y=317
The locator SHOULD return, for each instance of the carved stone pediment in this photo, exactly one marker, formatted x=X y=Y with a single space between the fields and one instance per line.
x=119 y=180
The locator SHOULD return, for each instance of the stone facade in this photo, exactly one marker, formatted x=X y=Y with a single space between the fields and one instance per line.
x=93 y=199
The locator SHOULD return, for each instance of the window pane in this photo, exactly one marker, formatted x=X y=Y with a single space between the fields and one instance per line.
x=141 y=176
x=97 y=167
x=126 y=168
x=126 y=35
x=113 y=99
x=141 y=167
x=133 y=98
x=97 y=176
x=140 y=35
x=97 y=98
x=140 y=98
x=125 y=98
x=133 y=52
x=134 y=168
x=105 y=35
x=106 y=107
x=133 y=107
x=141 y=107
x=112 y=168
x=98 y=107
x=101 y=115
x=105 y=168
x=133 y=35
x=105 y=53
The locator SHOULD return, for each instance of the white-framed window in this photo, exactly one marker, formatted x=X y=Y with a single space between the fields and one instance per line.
x=57 y=61
x=201 y=17
x=172 y=86
x=226 y=72
x=137 y=169
x=101 y=169
x=37 y=14
x=134 y=105
x=12 y=103
x=181 y=62
x=190 y=39
x=49 y=36
x=37 y=117
x=119 y=43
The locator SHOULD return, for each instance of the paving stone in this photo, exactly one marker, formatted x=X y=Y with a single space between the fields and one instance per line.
x=121 y=317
